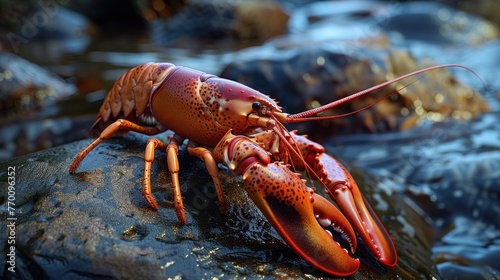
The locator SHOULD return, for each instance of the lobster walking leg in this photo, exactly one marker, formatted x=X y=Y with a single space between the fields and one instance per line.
x=149 y=157
x=119 y=124
x=173 y=168
x=172 y=150
x=289 y=205
x=206 y=156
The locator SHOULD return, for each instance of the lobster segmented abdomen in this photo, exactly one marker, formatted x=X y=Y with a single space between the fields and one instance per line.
x=129 y=96
x=132 y=90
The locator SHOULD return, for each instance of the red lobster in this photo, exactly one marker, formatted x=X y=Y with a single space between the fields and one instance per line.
x=245 y=129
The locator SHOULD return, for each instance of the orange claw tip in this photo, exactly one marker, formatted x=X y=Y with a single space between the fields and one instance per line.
x=381 y=242
x=387 y=250
x=367 y=224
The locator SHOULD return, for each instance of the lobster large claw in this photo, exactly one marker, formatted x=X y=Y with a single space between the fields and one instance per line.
x=342 y=188
x=344 y=191
x=293 y=209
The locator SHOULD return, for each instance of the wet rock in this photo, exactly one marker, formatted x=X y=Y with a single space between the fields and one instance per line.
x=436 y=24
x=345 y=25
x=221 y=20
x=197 y=20
x=26 y=87
x=44 y=20
x=462 y=177
x=163 y=9
x=96 y=223
x=29 y=135
x=307 y=77
x=259 y=21
x=489 y=10
x=426 y=21
x=38 y=108
x=114 y=16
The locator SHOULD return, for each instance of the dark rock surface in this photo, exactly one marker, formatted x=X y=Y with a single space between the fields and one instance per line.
x=26 y=87
x=34 y=110
x=96 y=223
x=38 y=133
x=437 y=23
x=249 y=22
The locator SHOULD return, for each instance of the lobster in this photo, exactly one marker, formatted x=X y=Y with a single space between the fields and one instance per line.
x=228 y=122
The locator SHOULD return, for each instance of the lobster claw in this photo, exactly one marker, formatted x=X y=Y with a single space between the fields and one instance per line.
x=291 y=207
x=344 y=191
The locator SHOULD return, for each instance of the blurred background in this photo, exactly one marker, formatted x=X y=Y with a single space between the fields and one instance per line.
x=437 y=141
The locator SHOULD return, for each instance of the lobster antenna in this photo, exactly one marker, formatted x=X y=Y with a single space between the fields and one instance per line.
x=308 y=115
x=293 y=147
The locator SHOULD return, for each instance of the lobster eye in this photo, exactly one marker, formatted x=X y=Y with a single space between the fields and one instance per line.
x=256 y=106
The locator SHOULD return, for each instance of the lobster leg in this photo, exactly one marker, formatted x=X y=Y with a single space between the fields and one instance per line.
x=151 y=146
x=344 y=191
x=206 y=156
x=119 y=124
x=149 y=156
x=290 y=206
x=173 y=167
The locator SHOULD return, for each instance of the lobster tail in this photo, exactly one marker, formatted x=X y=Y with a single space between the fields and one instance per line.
x=130 y=93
